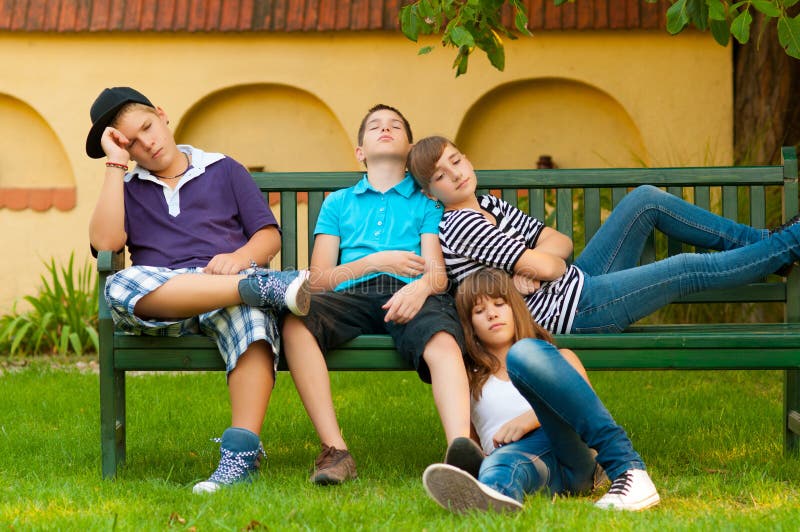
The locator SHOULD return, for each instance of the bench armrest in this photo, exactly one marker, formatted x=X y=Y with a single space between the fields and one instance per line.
x=110 y=261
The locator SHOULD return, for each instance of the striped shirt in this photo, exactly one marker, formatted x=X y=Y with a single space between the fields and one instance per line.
x=470 y=242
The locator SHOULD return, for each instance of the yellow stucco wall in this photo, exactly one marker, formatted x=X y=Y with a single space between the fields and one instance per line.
x=669 y=97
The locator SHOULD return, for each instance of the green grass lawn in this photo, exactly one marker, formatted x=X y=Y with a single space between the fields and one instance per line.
x=711 y=440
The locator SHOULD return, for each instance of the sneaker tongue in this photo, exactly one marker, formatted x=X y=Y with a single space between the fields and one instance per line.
x=239 y=440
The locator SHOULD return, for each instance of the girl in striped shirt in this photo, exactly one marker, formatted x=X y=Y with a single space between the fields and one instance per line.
x=604 y=290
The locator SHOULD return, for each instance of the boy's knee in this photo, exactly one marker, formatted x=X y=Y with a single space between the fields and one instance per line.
x=442 y=347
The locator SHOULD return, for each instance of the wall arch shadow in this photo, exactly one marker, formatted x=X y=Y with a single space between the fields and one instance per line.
x=35 y=172
x=579 y=125
x=269 y=127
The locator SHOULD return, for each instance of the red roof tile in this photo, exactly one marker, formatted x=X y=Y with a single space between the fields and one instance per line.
x=294 y=15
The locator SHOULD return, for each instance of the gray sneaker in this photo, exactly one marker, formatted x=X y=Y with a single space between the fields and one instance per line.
x=456 y=490
x=465 y=454
x=277 y=290
x=333 y=466
x=240 y=457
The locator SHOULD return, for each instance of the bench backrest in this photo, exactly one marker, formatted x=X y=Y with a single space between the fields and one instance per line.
x=576 y=202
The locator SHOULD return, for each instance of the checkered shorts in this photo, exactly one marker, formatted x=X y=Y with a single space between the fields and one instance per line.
x=232 y=328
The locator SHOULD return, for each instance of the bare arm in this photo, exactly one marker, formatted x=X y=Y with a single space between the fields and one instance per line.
x=406 y=302
x=261 y=248
x=107 y=224
x=540 y=265
x=516 y=428
x=555 y=243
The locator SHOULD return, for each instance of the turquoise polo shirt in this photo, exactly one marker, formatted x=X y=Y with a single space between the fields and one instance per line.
x=367 y=221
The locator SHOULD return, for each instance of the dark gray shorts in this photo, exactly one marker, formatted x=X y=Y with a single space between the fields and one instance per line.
x=336 y=317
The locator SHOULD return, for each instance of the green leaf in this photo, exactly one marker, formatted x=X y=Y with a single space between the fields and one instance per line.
x=789 y=35
x=426 y=9
x=75 y=342
x=495 y=52
x=461 y=37
x=521 y=22
x=769 y=8
x=91 y=332
x=697 y=11
x=63 y=340
x=408 y=23
x=21 y=333
x=425 y=50
x=789 y=3
x=677 y=19
x=716 y=11
x=721 y=32
x=560 y=2
x=740 y=27
x=462 y=61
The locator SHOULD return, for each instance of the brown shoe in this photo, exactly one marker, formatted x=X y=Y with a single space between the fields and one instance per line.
x=333 y=466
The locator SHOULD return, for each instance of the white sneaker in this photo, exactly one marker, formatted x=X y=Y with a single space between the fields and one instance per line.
x=456 y=490
x=633 y=490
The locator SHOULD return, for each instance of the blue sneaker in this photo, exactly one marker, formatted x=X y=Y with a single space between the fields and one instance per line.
x=240 y=456
x=277 y=290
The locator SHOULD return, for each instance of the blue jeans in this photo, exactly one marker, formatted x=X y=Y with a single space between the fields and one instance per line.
x=558 y=456
x=616 y=292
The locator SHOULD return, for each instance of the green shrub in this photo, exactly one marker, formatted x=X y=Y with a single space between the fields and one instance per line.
x=63 y=317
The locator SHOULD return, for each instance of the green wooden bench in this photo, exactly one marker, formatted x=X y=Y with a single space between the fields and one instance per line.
x=555 y=196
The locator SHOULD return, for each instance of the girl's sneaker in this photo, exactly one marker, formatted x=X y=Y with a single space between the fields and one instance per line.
x=240 y=456
x=633 y=490
x=465 y=454
x=277 y=290
x=456 y=490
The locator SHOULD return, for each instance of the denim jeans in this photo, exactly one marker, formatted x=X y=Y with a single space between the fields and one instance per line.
x=558 y=456
x=616 y=292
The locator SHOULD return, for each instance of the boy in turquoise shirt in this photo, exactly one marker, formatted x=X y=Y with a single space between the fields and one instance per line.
x=378 y=261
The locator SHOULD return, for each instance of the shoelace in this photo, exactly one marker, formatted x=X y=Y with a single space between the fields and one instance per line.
x=233 y=466
x=786 y=225
x=262 y=284
x=621 y=484
x=328 y=457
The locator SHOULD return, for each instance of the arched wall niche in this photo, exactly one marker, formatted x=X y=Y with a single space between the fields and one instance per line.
x=578 y=125
x=270 y=127
x=35 y=172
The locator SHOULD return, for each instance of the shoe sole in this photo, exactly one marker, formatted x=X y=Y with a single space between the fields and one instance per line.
x=298 y=295
x=324 y=480
x=456 y=490
x=205 y=487
x=465 y=454
x=644 y=504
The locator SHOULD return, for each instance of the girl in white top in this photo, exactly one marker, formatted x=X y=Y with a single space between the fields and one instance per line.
x=534 y=413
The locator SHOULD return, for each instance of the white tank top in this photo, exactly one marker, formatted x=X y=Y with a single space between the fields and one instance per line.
x=500 y=402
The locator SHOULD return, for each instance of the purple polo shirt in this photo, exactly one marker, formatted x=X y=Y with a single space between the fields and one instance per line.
x=220 y=208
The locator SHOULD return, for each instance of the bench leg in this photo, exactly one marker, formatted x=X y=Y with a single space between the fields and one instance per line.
x=112 y=420
x=791 y=402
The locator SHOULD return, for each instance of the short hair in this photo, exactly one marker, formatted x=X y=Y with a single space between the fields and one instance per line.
x=130 y=107
x=423 y=157
x=382 y=107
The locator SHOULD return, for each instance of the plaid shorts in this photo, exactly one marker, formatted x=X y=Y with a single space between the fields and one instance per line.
x=232 y=328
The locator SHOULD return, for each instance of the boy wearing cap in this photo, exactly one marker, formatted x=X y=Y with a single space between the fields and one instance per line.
x=199 y=232
x=377 y=255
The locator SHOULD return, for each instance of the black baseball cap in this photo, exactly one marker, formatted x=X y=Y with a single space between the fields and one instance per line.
x=104 y=110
